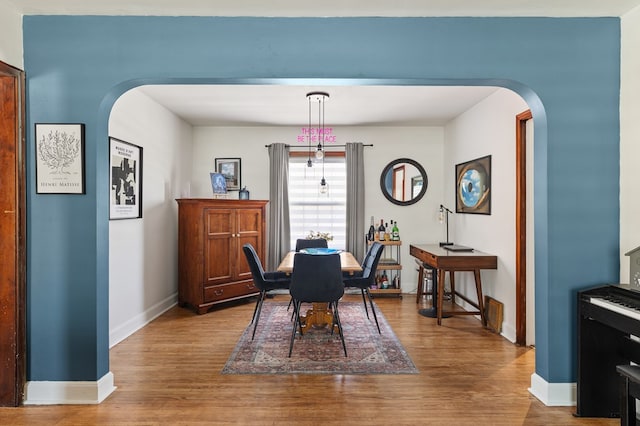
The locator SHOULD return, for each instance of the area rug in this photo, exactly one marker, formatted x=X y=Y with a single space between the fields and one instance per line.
x=317 y=351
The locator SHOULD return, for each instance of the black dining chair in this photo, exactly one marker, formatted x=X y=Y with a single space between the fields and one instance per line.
x=304 y=243
x=264 y=281
x=316 y=278
x=364 y=279
x=315 y=243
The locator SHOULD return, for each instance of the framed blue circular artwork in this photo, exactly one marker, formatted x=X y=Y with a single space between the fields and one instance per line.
x=473 y=186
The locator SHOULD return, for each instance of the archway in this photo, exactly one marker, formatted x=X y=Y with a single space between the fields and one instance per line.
x=342 y=82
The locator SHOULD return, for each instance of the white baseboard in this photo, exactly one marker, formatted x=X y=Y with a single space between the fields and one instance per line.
x=83 y=392
x=52 y=393
x=118 y=334
x=508 y=332
x=553 y=394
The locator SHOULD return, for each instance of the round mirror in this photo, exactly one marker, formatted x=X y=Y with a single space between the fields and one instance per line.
x=403 y=181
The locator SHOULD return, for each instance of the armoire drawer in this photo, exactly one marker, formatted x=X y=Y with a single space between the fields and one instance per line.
x=229 y=291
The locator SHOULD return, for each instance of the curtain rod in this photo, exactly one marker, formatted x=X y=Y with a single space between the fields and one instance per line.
x=313 y=147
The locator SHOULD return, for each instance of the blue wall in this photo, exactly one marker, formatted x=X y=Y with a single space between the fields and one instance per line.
x=566 y=69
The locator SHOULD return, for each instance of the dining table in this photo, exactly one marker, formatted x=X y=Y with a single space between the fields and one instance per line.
x=348 y=262
x=320 y=315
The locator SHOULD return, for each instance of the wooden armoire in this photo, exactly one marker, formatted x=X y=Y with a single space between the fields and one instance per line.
x=212 y=266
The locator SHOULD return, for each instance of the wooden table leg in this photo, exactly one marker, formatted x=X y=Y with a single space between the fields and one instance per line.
x=319 y=316
x=421 y=290
x=452 y=281
x=442 y=313
x=476 y=274
x=441 y=274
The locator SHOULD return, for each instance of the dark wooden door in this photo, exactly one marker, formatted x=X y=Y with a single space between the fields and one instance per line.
x=12 y=237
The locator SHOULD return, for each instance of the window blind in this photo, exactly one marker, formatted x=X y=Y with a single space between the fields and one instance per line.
x=311 y=211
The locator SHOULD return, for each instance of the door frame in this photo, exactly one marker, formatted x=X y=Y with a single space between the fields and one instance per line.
x=14 y=106
x=521 y=226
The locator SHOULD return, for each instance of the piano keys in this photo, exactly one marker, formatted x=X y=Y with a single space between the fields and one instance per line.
x=616 y=305
x=608 y=332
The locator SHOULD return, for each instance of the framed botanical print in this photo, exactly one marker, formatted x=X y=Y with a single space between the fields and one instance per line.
x=473 y=186
x=125 y=175
x=59 y=152
x=230 y=169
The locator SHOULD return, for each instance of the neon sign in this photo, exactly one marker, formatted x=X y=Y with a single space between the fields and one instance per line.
x=316 y=135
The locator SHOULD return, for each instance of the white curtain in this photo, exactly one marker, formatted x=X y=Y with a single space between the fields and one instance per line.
x=278 y=222
x=354 y=158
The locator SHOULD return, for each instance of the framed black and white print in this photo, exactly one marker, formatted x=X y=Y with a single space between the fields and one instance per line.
x=125 y=175
x=473 y=186
x=59 y=152
x=230 y=169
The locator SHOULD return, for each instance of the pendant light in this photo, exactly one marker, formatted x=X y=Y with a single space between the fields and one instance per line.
x=324 y=188
x=318 y=98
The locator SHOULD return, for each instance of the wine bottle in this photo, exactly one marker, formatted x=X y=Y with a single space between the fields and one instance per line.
x=387 y=234
x=384 y=281
x=381 y=230
x=395 y=232
x=372 y=231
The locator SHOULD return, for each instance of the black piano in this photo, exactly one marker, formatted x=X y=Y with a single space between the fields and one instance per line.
x=608 y=317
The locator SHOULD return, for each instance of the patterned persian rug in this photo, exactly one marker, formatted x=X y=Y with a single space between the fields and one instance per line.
x=317 y=351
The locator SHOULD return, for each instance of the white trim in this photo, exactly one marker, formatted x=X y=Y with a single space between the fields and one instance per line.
x=125 y=330
x=553 y=394
x=50 y=393
x=508 y=332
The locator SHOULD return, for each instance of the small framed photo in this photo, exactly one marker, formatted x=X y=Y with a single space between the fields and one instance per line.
x=473 y=186
x=230 y=169
x=59 y=152
x=125 y=175
x=218 y=183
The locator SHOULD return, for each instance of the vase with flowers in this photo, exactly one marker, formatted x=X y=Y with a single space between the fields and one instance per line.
x=316 y=235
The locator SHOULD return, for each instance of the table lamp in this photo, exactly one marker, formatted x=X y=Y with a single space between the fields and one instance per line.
x=444 y=217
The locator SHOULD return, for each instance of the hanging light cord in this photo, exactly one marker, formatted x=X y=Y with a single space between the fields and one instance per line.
x=321 y=135
x=321 y=126
x=309 y=162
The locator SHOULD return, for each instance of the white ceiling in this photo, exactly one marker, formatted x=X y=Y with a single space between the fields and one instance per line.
x=327 y=7
x=272 y=105
x=348 y=105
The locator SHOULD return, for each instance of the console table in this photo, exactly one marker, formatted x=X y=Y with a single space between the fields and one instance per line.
x=448 y=261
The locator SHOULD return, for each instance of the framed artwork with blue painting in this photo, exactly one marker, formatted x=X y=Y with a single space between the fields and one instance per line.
x=473 y=186
x=218 y=183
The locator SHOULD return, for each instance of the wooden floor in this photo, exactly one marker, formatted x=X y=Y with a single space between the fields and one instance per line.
x=168 y=373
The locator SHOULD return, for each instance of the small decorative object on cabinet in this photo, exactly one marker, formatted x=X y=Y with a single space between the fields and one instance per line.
x=243 y=194
x=388 y=275
x=211 y=265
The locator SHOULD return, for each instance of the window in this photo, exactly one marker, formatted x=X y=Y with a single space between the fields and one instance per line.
x=311 y=211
